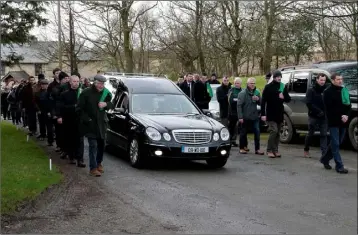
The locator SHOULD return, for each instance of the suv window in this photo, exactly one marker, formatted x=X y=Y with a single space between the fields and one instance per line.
x=350 y=76
x=299 y=82
x=285 y=78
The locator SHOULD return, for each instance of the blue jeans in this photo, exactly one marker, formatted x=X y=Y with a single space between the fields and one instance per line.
x=322 y=126
x=96 y=150
x=337 y=136
x=255 y=125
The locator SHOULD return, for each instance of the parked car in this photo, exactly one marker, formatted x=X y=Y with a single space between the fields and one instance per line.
x=153 y=118
x=299 y=80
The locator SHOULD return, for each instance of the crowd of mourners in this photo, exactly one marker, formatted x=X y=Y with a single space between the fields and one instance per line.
x=68 y=108
x=65 y=109
x=328 y=111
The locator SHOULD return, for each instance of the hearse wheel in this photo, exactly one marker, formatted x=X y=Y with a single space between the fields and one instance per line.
x=135 y=157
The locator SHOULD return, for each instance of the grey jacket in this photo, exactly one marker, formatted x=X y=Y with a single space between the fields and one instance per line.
x=246 y=107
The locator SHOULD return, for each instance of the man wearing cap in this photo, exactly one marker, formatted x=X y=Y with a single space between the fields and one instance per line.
x=272 y=110
x=68 y=115
x=43 y=107
x=92 y=104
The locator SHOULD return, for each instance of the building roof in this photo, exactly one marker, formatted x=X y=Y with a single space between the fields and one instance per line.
x=42 y=52
x=17 y=75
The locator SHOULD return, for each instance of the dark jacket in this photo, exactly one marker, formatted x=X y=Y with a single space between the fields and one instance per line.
x=43 y=101
x=222 y=97
x=201 y=95
x=68 y=104
x=232 y=97
x=271 y=104
x=334 y=106
x=27 y=97
x=314 y=102
x=215 y=81
x=93 y=121
x=53 y=90
x=185 y=87
x=246 y=107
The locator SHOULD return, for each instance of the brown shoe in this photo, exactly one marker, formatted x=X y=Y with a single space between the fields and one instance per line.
x=100 y=168
x=271 y=155
x=306 y=154
x=246 y=149
x=242 y=151
x=259 y=152
x=277 y=154
x=95 y=173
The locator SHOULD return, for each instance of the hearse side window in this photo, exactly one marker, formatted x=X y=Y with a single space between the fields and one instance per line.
x=299 y=82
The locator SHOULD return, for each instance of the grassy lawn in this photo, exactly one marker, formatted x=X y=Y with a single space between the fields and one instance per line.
x=260 y=81
x=24 y=169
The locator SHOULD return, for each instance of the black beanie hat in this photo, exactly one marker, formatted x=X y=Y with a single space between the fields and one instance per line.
x=277 y=73
x=62 y=75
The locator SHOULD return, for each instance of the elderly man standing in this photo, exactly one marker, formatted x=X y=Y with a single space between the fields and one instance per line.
x=248 y=115
x=232 y=97
x=272 y=110
x=70 y=119
x=94 y=121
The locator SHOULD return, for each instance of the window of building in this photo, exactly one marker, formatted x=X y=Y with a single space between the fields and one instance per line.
x=38 y=69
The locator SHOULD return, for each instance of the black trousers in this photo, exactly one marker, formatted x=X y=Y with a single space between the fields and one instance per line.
x=31 y=118
x=233 y=128
x=73 y=142
x=59 y=134
x=46 y=127
x=5 y=106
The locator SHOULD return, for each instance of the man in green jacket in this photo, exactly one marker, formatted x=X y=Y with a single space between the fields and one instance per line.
x=248 y=115
x=92 y=106
x=232 y=96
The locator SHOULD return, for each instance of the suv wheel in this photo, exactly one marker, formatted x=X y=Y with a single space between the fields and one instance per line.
x=353 y=133
x=287 y=132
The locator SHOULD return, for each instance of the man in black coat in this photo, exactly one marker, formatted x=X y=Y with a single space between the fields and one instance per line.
x=188 y=86
x=201 y=95
x=52 y=90
x=337 y=108
x=43 y=105
x=222 y=97
x=69 y=116
x=316 y=114
x=272 y=110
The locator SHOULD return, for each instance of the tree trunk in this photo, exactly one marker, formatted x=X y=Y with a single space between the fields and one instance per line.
x=128 y=51
x=269 y=18
x=234 y=63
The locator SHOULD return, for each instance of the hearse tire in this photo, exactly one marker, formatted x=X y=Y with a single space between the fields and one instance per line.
x=352 y=133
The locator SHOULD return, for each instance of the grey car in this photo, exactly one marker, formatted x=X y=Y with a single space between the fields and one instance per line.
x=298 y=81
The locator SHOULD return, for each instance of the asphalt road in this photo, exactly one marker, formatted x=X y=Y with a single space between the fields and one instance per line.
x=252 y=194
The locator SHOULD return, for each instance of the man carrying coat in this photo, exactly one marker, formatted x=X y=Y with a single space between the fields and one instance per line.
x=92 y=105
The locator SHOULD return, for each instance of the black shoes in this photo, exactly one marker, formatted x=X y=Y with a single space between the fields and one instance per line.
x=81 y=164
x=342 y=171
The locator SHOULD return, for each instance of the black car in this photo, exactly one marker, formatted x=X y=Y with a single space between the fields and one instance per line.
x=298 y=80
x=153 y=118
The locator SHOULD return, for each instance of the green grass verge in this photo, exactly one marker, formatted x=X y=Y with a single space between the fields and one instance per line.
x=260 y=81
x=24 y=169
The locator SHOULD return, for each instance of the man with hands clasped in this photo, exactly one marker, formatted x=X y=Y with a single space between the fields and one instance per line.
x=337 y=108
x=248 y=115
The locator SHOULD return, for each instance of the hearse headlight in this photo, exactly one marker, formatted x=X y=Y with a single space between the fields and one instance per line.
x=167 y=136
x=216 y=137
x=224 y=134
x=153 y=133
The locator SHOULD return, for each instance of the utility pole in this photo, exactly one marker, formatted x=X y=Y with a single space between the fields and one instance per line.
x=59 y=35
x=72 y=51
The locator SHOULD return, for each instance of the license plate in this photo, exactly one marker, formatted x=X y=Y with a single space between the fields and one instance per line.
x=194 y=149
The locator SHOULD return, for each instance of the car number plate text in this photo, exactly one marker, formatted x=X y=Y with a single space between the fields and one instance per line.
x=194 y=149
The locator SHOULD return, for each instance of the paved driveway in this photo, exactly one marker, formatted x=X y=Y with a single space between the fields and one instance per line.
x=253 y=194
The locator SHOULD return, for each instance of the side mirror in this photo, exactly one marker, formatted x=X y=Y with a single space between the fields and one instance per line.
x=207 y=112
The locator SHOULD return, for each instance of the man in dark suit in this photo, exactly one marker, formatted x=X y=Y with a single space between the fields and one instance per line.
x=188 y=86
